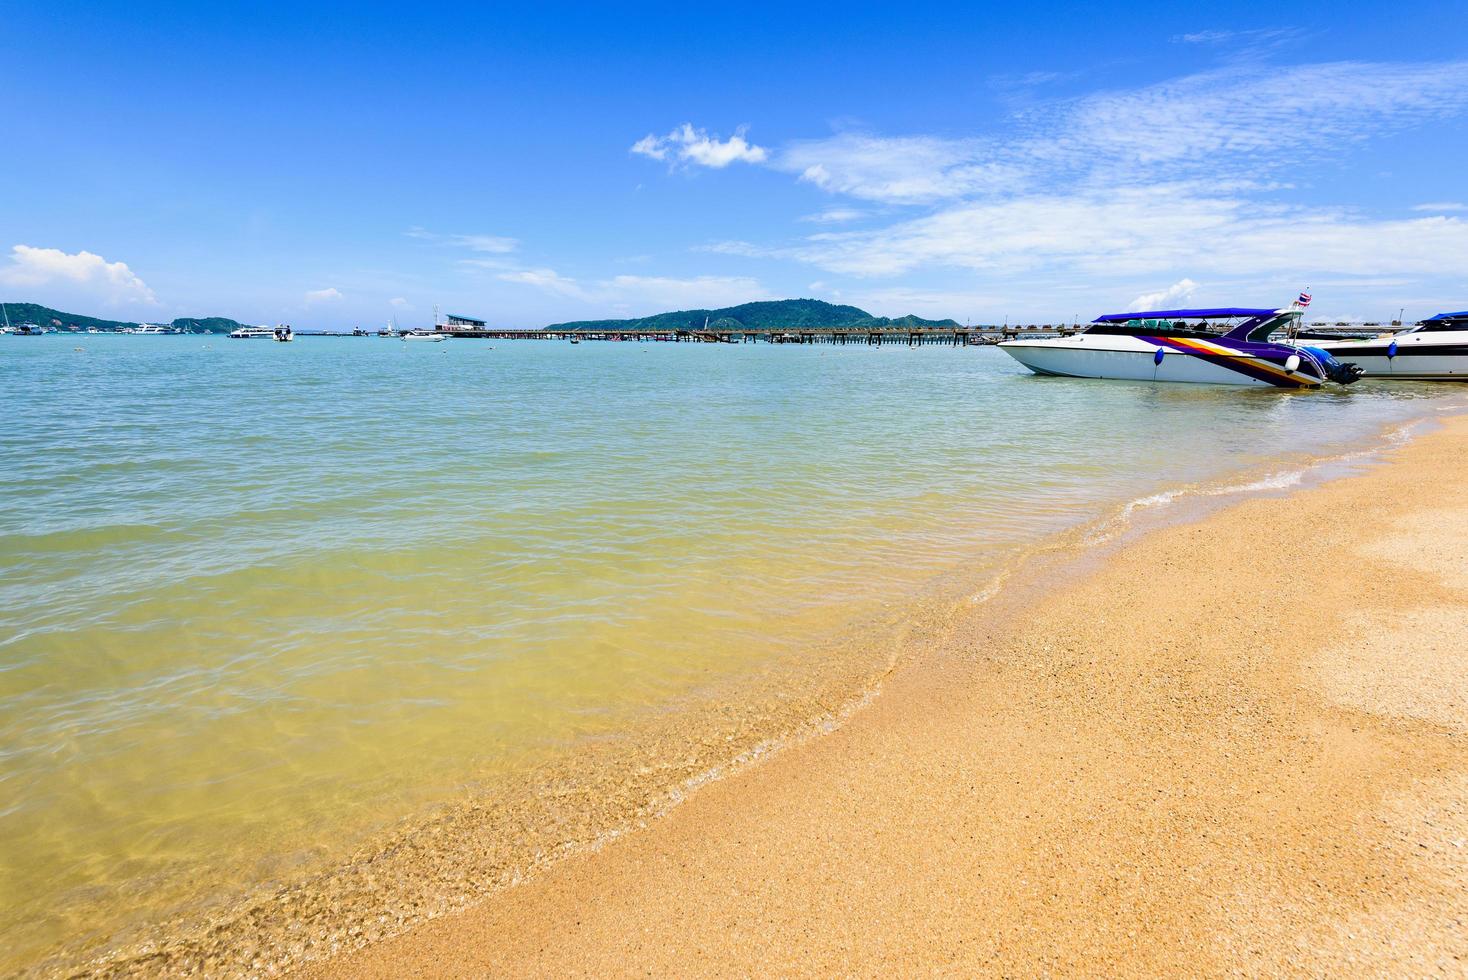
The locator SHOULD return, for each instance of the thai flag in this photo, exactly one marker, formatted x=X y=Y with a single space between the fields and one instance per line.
x=1304 y=300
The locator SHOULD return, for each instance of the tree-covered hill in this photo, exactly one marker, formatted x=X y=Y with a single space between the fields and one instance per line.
x=46 y=317
x=784 y=314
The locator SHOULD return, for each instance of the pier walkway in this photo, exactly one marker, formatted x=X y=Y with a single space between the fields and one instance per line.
x=910 y=336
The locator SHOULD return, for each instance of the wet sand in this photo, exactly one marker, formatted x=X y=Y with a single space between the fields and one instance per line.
x=1238 y=744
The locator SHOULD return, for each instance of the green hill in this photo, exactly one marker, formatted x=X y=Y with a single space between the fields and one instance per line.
x=45 y=316
x=783 y=314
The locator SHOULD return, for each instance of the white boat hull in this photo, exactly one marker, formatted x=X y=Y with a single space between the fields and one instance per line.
x=1428 y=356
x=1128 y=358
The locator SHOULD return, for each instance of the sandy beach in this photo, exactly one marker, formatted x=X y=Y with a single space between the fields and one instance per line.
x=1238 y=744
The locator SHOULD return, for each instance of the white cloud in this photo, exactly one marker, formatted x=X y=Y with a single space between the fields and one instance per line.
x=901 y=170
x=546 y=280
x=1179 y=290
x=689 y=145
x=82 y=275
x=1136 y=185
x=496 y=244
x=1256 y=37
x=399 y=303
x=646 y=293
x=1232 y=125
x=328 y=295
x=700 y=291
x=736 y=247
x=835 y=216
x=1144 y=231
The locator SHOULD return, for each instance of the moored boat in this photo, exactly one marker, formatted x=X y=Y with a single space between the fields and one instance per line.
x=1228 y=345
x=425 y=335
x=253 y=333
x=1435 y=349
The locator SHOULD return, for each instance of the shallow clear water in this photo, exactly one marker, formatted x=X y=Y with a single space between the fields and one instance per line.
x=256 y=598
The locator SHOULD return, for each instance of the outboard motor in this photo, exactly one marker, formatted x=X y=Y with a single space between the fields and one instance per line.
x=1340 y=372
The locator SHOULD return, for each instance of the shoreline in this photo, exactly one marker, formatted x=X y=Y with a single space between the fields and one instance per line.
x=467 y=851
x=764 y=849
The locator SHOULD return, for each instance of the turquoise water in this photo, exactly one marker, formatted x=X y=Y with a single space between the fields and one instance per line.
x=259 y=600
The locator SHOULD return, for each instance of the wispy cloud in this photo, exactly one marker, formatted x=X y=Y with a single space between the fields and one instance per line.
x=497 y=244
x=328 y=295
x=1441 y=207
x=82 y=274
x=747 y=250
x=835 y=216
x=1232 y=124
x=646 y=293
x=686 y=144
x=1143 y=231
x=546 y=280
x=1187 y=174
x=900 y=170
x=1255 y=37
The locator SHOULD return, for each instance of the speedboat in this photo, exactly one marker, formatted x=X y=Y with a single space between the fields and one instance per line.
x=253 y=333
x=425 y=335
x=1435 y=349
x=284 y=334
x=1215 y=346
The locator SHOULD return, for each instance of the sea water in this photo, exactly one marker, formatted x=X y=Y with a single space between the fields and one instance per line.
x=263 y=603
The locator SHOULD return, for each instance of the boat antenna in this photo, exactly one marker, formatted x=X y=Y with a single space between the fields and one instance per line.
x=7 y=315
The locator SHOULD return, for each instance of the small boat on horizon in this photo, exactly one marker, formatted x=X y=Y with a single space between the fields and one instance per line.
x=1435 y=349
x=284 y=334
x=430 y=336
x=261 y=332
x=1228 y=345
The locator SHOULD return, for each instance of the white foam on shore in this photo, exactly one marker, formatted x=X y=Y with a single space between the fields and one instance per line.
x=1109 y=528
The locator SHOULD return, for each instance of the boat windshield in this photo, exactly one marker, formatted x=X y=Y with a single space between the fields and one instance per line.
x=1163 y=328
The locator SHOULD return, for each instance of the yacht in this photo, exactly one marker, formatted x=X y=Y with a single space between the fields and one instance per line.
x=1435 y=349
x=1212 y=346
x=253 y=333
x=432 y=337
x=149 y=328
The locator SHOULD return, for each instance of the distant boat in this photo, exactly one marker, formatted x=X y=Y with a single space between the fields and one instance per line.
x=425 y=335
x=150 y=328
x=253 y=333
x=284 y=334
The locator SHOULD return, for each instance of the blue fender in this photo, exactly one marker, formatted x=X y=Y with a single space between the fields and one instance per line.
x=1157 y=357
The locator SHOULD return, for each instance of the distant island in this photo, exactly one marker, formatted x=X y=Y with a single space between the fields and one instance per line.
x=44 y=316
x=766 y=315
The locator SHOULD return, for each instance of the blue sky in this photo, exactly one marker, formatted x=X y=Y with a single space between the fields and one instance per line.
x=528 y=163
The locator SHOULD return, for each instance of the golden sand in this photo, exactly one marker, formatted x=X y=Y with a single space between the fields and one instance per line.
x=1237 y=745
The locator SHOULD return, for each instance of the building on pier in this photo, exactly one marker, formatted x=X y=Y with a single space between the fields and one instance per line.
x=454 y=323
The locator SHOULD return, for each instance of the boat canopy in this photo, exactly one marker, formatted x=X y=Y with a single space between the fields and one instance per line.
x=1460 y=315
x=1223 y=313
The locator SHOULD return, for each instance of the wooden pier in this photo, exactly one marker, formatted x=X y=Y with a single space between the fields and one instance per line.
x=907 y=336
